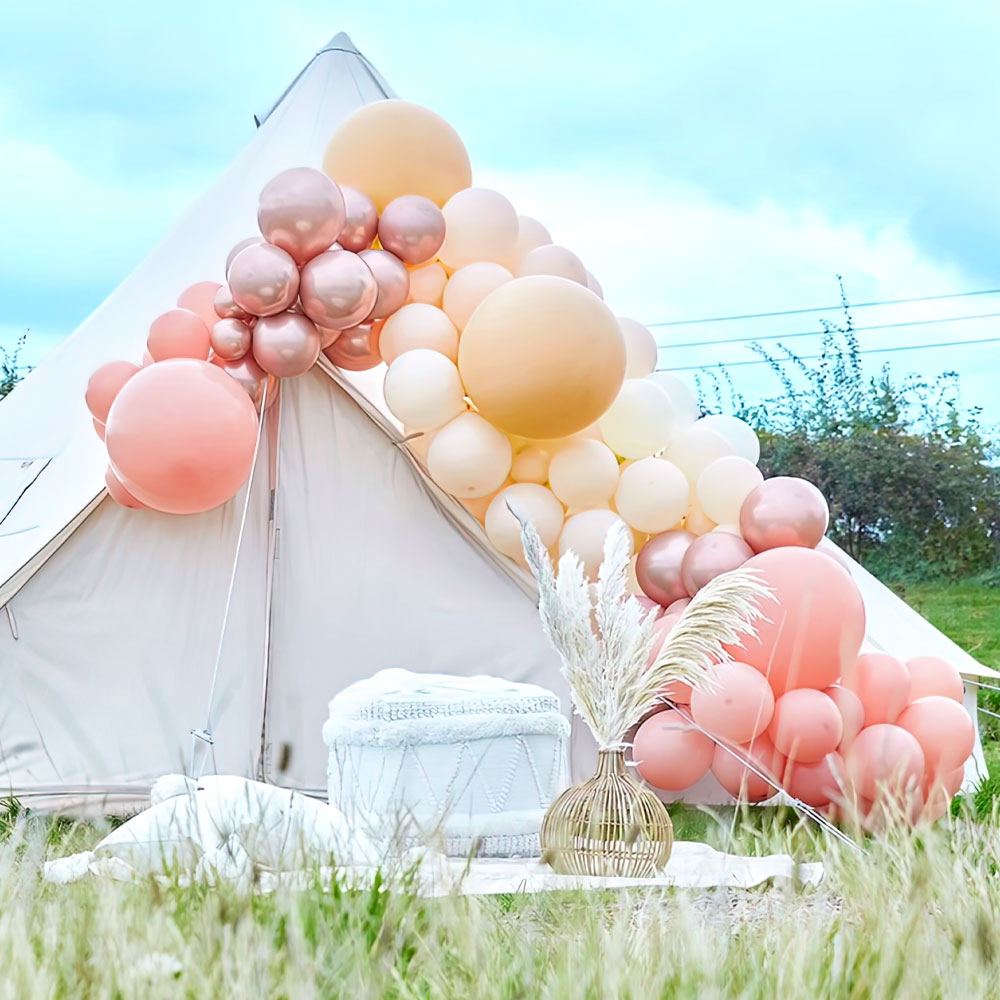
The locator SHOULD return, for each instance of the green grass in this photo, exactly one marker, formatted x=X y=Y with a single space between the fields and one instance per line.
x=967 y=612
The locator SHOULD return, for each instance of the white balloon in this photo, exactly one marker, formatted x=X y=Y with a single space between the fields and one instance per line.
x=641 y=421
x=468 y=286
x=728 y=529
x=724 y=485
x=695 y=448
x=738 y=433
x=594 y=285
x=530 y=465
x=680 y=393
x=584 y=474
x=652 y=495
x=423 y=390
x=554 y=260
x=480 y=225
x=532 y=503
x=530 y=234
x=469 y=457
x=418 y=325
x=584 y=534
x=640 y=348
x=427 y=283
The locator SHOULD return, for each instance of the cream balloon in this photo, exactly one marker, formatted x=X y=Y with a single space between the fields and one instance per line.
x=652 y=495
x=584 y=474
x=422 y=390
x=694 y=448
x=527 y=501
x=480 y=224
x=680 y=393
x=584 y=534
x=737 y=432
x=427 y=283
x=729 y=529
x=724 y=485
x=468 y=286
x=469 y=457
x=530 y=465
x=640 y=348
x=641 y=421
x=418 y=325
x=554 y=260
x=530 y=234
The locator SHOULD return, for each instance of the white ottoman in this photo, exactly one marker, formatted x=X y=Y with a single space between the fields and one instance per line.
x=475 y=760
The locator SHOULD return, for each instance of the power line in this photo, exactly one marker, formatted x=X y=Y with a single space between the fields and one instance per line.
x=839 y=305
x=820 y=333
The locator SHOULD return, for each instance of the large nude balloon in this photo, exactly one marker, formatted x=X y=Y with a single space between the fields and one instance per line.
x=542 y=357
x=391 y=148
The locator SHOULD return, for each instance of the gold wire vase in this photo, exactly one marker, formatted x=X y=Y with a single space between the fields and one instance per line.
x=610 y=826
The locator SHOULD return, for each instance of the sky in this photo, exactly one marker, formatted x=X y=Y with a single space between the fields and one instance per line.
x=703 y=159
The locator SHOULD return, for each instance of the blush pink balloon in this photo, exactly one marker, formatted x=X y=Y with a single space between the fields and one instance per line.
x=943 y=729
x=230 y=339
x=264 y=280
x=736 y=777
x=412 y=227
x=818 y=783
x=250 y=241
x=200 y=299
x=648 y=606
x=181 y=436
x=670 y=753
x=885 y=758
x=393 y=282
x=105 y=384
x=676 y=691
x=806 y=725
x=740 y=706
x=256 y=383
x=338 y=290
x=945 y=784
x=678 y=606
x=356 y=350
x=882 y=683
x=710 y=556
x=327 y=337
x=286 y=345
x=851 y=711
x=361 y=222
x=178 y=333
x=302 y=211
x=932 y=675
x=661 y=629
x=815 y=620
x=118 y=492
x=784 y=511
x=225 y=305
x=658 y=566
x=98 y=428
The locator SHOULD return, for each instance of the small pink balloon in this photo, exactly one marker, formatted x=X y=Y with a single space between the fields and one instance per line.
x=710 y=556
x=147 y=359
x=412 y=227
x=256 y=382
x=118 y=492
x=286 y=345
x=932 y=675
x=739 y=708
x=882 y=683
x=327 y=337
x=949 y=781
x=356 y=350
x=225 y=305
x=735 y=775
x=178 y=333
x=670 y=753
x=99 y=428
x=806 y=725
x=648 y=606
x=302 y=211
x=784 y=511
x=105 y=384
x=943 y=729
x=338 y=290
x=393 y=282
x=361 y=222
x=677 y=692
x=200 y=299
x=818 y=783
x=658 y=566
x=885 y=758
x=264 y=280
x=851 y=711
x=677 y=606
x=250 y=241
x=661 y=630
x=230 y=339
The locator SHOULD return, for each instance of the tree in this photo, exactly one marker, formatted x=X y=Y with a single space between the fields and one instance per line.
x=11 y=372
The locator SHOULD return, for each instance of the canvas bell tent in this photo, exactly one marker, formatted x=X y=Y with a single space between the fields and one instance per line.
x=122 y=632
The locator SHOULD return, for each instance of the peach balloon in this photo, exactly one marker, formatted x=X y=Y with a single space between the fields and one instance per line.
x=640 y=348
x=852 y=712
x=264 y=280
x=530 y=465
x=225 y=306
x=740 y=706
x=199 y=298
x=584 y=474
x=392 y=148
x=652 y=495
x=695 y=447
x=427 y=283
x=530 y=234
x=542 y=357
x=250 y=241
x=360 y=220
x=943 y=729
x=181 y=436
x=302 y=211
x=338 y=290
x=105 y=384
x=411 y=227
x=658 y=567
x=418 y=325
x=553 y=260
x=817 y=783
x=784 y=511
x=584 y=534
x=468 y=286
x=670 y=753
x=710 y=556
x=327 y=337
x=724 y=485
x=698 y=522
x=806 y=726
x=886 y=758
x=468 y=457
x=178 y=333
x=392 y=280
x=422 y=390
x=230 y=338
x=640 y=421
x=530 y=502
x=480 y=225
x=931 y=675
x=357 y=349
x=98 y=428
x=882 y=683
x=286 y=345
x=118 y=492
x=732 y=769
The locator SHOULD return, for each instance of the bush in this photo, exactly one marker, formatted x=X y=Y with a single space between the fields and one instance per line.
x=11 y=371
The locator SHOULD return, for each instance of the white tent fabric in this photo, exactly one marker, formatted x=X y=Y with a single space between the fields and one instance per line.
x=111 y=618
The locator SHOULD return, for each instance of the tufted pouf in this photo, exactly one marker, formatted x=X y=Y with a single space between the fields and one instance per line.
x=470 y=761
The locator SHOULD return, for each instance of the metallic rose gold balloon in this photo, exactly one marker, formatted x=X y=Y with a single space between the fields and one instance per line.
x=393 y=282
x=264 y=280
x=327 y=337
x=361 y=225
x=252 y=377
x=230 y=339
x=226 y=307
x=784 y=511
x=250 y=241
x=710 y=556
x=356 y=350
x=286 y=345
x=658 y=566
x=411 y=227
x=302 y=211
x=338 y=290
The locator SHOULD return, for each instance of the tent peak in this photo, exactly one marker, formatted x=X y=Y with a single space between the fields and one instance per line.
x=341 y=42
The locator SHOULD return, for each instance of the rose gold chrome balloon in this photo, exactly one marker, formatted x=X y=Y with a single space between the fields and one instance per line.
x=226 y=307
x=361 y=225
x=286 y=345
x=784 y=511
x=253 y=378
x=393 y=282
x=250 y=241
x=264 y=280
x=658 y=566
x=230 y=339
x=411 y=227
x=338 y=290
x=302 y=211
x=356 y=350
x=327 y=336
x=710 y=556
